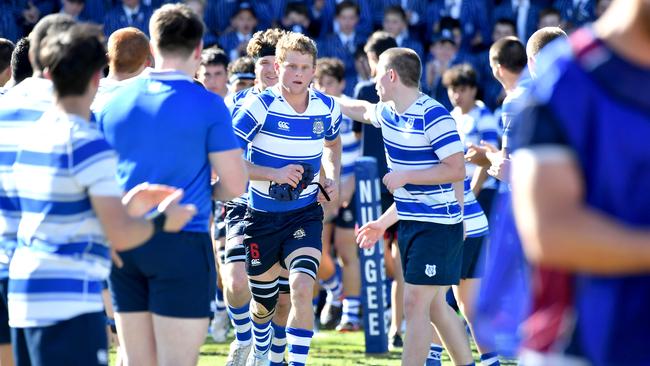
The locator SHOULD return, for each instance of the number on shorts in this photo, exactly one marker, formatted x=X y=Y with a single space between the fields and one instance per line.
x=255 y=251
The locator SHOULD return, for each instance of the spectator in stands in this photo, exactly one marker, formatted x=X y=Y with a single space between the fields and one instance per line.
x=213 y=72
x=396 y=24
x=415 y=12
x=73 y=8
x=21 y=68
x=575 y=13
x=198 y=6
x=549 y=17
x=326 y=16
x=8 y=21
x=472 y=15
x=523 y=13
x=6 y=49
x=241 y=74
x=444 y=50
x=296 y=19
x=344 y=43
x=243 y=24
x=129 y=13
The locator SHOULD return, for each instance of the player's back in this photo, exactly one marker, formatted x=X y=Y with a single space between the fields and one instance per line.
x=163 y=126
x=605 y=121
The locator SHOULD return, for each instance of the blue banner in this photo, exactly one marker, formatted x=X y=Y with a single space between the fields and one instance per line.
x=373 y=270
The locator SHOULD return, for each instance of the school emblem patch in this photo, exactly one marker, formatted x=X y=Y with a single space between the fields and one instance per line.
x=319 y=127
x=430 y=270
x=299 y=234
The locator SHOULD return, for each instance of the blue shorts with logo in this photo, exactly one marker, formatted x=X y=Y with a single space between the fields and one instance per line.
x=80 y=341
x=432 y=253
x=270 y=237
x=172 y=274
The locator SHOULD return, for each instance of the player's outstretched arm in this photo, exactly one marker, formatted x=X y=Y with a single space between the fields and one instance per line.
x=370 y=233
x=451 y=169
x=356 y=109
x=125 y=232
x=558 y=229
x=232 y=174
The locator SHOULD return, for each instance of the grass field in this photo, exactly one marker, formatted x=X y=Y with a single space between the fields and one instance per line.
x=328 y=348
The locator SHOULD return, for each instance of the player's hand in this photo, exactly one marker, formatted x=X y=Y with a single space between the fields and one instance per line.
x=370 y=233
x=500 y=168
x=332 y=190
x=291 y=174
x=144 y=197
x=177 y=215
x=394 y=180
x=476 y=154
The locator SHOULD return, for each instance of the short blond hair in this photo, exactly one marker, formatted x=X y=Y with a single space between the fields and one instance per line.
x=293 y=41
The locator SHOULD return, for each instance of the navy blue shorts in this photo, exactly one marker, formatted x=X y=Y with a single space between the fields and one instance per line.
x=80 y=341
x=172 y=274
x=346 y=216
x=235 y=225
x=473 y=263
x=270 y=237
x=5 y=333
x=431 y=253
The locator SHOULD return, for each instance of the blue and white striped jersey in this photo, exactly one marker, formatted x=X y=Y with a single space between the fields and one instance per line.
x=479 y=124
x=279 y=136
x=234 y=101
x=351 y=146
x=420 y=138
x=63 y=256
x=476 y=223
x=19 y=108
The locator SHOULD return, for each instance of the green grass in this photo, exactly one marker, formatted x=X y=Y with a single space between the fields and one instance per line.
x=328 y=348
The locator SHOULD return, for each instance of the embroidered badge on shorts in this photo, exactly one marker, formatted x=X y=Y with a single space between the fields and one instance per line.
x=430 y=270
x=299 y=234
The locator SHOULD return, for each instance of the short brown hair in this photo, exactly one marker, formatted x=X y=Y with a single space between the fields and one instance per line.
x=128 y=50
x=51 y=24
x=379 y=42
x=460 y=75
x=330 y=66
x=72 y=58
x=263 y=43
x=293 y=41
x=509 y=52
x=541 y=38
x=176 y=29
x=406 y=64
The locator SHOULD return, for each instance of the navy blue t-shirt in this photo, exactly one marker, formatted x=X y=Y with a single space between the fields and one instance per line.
x=163 y=126
x=597 y=104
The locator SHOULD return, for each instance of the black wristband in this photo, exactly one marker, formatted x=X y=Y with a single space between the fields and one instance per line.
x=158 y=220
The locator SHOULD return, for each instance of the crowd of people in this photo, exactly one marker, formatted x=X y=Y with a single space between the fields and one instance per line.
x=166 y=172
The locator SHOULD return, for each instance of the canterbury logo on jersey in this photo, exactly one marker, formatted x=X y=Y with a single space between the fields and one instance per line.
x=283 y=125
